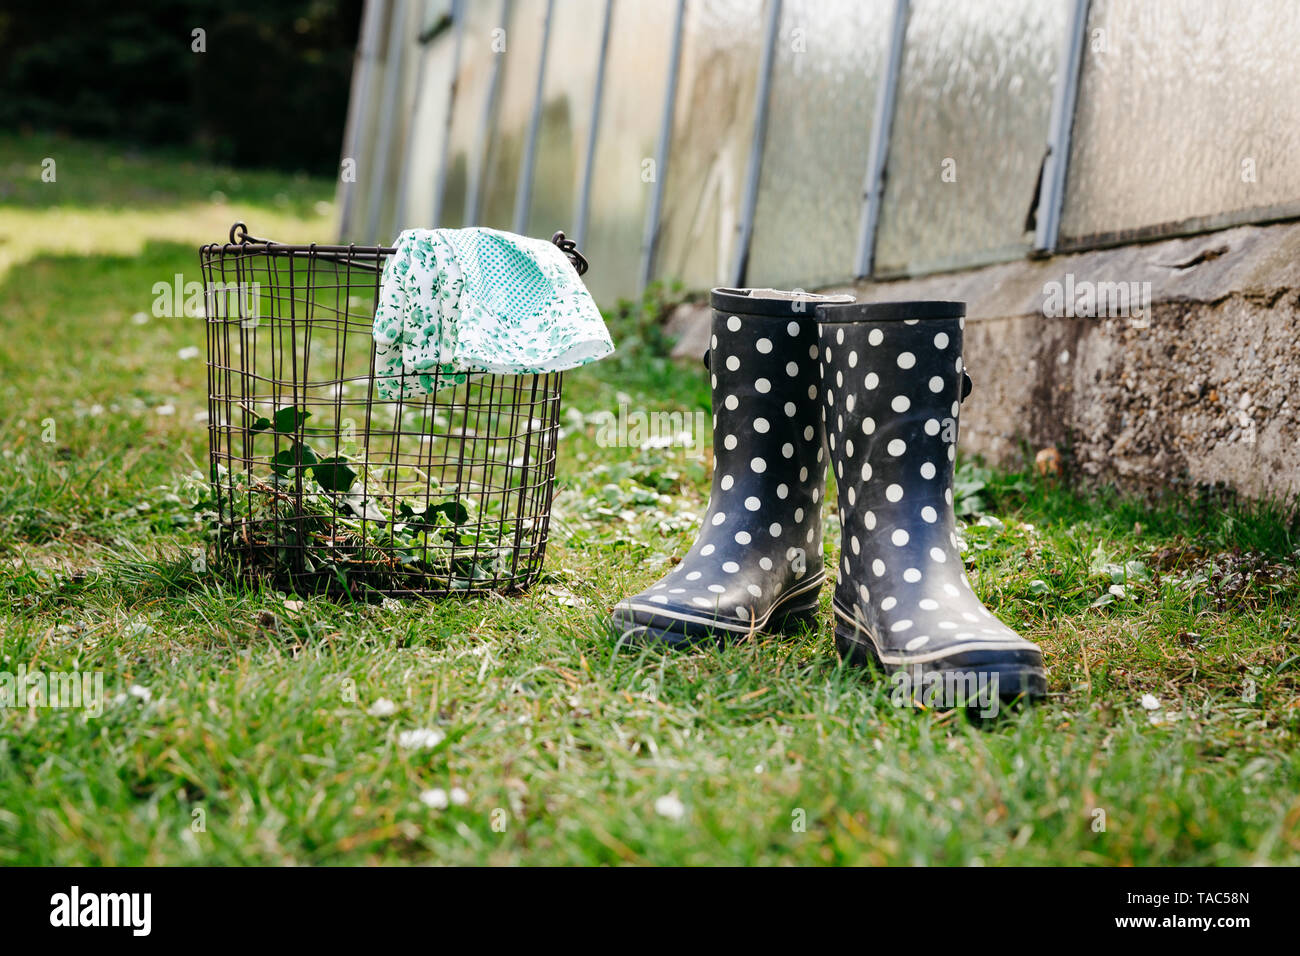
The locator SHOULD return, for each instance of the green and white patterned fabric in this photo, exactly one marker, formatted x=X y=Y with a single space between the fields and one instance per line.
x=456 y=301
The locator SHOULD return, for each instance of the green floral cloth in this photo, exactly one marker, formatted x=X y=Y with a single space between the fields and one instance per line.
x=457 y=301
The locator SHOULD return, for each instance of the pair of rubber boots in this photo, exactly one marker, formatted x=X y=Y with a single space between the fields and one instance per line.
x=874 y=390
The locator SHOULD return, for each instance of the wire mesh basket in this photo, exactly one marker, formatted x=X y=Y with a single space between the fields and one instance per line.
x=318 y=483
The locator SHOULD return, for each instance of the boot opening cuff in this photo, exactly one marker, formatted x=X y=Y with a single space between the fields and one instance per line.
x=773 y=301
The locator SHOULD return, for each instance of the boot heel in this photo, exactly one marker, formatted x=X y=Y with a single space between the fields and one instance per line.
x=855 y=650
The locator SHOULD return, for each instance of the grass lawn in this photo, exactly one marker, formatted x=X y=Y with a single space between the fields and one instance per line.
x=241 y=724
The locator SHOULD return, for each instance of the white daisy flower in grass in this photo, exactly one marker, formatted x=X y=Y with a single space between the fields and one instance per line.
x=670 y=807
x=423 y=738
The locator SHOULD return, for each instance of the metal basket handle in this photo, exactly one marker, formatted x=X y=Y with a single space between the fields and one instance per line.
x=570 y=249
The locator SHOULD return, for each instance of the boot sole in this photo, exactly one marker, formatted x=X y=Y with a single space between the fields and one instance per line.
x=1019 y=673
x=794 y=610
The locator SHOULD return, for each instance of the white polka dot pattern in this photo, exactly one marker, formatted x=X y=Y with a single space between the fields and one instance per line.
x=760 y=543
x=894 y=444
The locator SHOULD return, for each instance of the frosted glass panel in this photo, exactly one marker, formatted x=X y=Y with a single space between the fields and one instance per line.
x=473 y=84
x=636 y=74
x=1188 y=117
x=970 y=132
x=519 y=69
x=713 y=125
x=428 y=130
x=368 y=135
x=567 y=92
x=407 y=57
x=825 y=79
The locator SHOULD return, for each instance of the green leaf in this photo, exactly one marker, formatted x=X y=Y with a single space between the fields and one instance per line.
x=1135 y=571
x=295 y=456
x=333 y=474
x=261 y=425
x=1099 y=561
x=455 y=511
x=290 y=418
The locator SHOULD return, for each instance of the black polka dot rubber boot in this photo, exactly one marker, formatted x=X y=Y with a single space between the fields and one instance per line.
x=893 y=383
x=757 y=563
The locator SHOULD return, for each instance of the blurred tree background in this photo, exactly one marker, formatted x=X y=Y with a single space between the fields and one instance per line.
x=270 y=90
